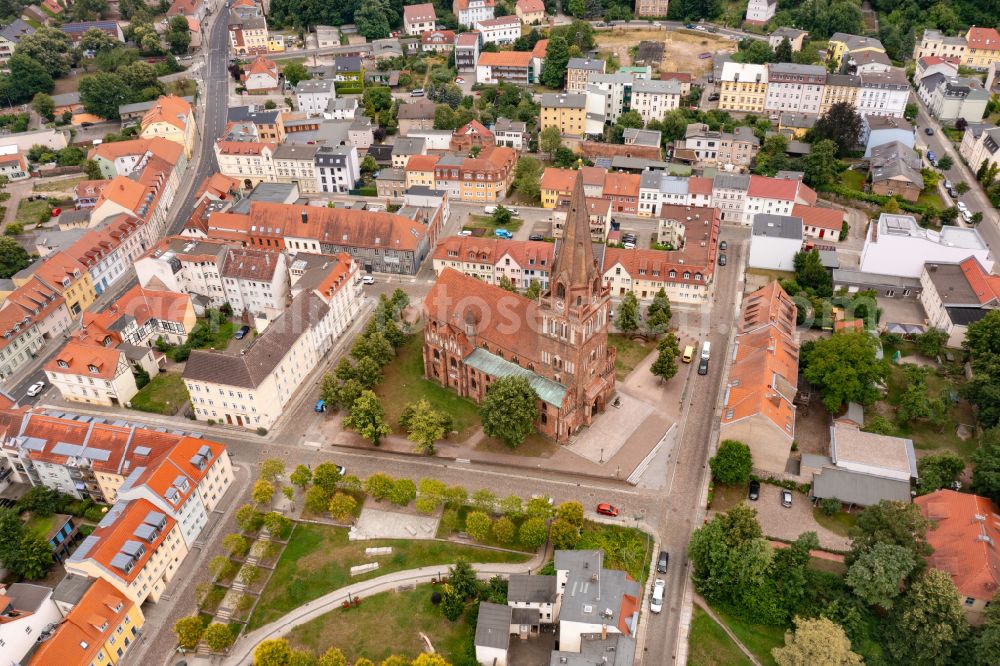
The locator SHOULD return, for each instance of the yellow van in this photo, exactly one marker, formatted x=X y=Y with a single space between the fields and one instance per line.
x=688 y=353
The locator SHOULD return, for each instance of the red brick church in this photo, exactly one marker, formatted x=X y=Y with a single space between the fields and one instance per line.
x=476 y=333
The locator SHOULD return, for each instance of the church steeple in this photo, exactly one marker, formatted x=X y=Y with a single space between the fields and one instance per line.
x=573 y=276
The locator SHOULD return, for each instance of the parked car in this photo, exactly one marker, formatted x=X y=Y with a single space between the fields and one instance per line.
x=536 y=237
x=703 y=366
x=656 y=601
x=503 y=233
x=723 y=245
x=931 y=156
x=629 y=245
x=514 y=212
x=754 y=493
x=368 y=279
x=419 y=92
x=242 y=333
x=465 y=232
x=459 y=80
x=722 y=260
x=701 y=28
x=947 y=184
x=662 y=561
x=607 y=509
x=929 y=131
x=35 y=389
x=714 y=97
x=320 y=406
x=786 y=498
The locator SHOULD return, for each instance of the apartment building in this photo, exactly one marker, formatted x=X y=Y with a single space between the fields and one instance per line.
x=338 y=168
x=109 y=250
x=511 y=133
x=980 y=143
x=95 y=374
x=775 y=196
x=982 y=49
x=418 y=19
x=760 y=12
x=531 y=12
x=616 y=90
x=840 y=88
x=27 y=614
x=437 y=41
x=578 y=72
x=295 y=164
x=250 y=389
x=743 y=87
x=557 y=185
x=29 y=315
x=247 y=35
x=500 y=30
x=952 y=97
x=99 y=629
x=255 y=282
x=955 y=295
x=729 y=195
x=935 y=43
x=658 y=188
x=135 y=548
x=250 y=162
x=467 y=45
x=716 y=148
x=880 y=130
x=170 y=118
x=66 y=275
x=883 y=93
x=622 y=191
x=490 y=259
x=842 y=45
x=470 y=12
x=568 y=112
x=598 y=214
x=896 y=245
x=122 y=158
x=139 y=318
x=652 y=99
x=11 y=34
x=187 y=266
x=313 y=96
x=794 y=87
x=485 y=178
x=420 y=171
x=506 y=67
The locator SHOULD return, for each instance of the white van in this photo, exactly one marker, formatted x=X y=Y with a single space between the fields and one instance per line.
x=706 y=348
x=656 y=603
x=489 y=210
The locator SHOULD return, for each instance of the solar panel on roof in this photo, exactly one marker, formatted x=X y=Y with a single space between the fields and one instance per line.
x=133 y=548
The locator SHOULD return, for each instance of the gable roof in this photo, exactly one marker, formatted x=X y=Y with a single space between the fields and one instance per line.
x=169 y=109
x=475 y=128
x=965 y=538
x=86 y=359
x=505 y=59
x=822 y=218
x=83 y=632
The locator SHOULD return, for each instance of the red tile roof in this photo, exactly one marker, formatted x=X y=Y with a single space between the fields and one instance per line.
x=249 y=264
x=682 y=77
x=474 y=127
x=85 y=359
x=123 y=191
x=541 y=46
x=530 y=6
x=964 y=538
x=622 y=185
x=422 y=162
x=145 y=304
x=168 y=109
x=781 y=188
x=985 y=285
x=419 y=13
x=467 y=38
x=110 y=539
x=438 y=37
x=490 y=250
x=358 y=228
x=59 y=267
x=506 y=59
x=822 y=218
x=593 y=176
x=560 y=180
x=983 y=38
x=699 y=185
x=33 y=301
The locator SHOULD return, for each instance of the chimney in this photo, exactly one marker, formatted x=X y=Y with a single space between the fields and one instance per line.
x=305 y=217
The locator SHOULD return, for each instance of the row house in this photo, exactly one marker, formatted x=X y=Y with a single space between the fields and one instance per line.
x=883 y=93
x=66 y=275
x=934 y=43
x=250 y=389
x=313 y=96
x=840 y=88
x=122 y=158
x=622 y=191
x=500 y=30
x=418 y=19
x=598 y=213
x=511 y=133
x=743 y=87
x=616 y=91
x=265 y=125
x=470 y=12
x=406 y=147
x=729 y=194
x=467 y=46
x=490 y=259
x=250 y=162
x=255 y=282
x=338 y=168
x=557 y=185
x=794 y=87
x=147 y=197
x=653 y=99
x=567 y=111
x=531 y=12
x=579 y=71
x=187 y=266
x=170 y=118
x=295 y=164
x=29 y=315
x=247 y=35
x=109 y=251
x=719 y=149
x=775 y=196
x=140 y=318
x=980 y=143
x=645 y=272
x=658 y=188
x=482 y=179
x=419 y=171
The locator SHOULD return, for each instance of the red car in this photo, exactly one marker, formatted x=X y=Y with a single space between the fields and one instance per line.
x=607 y=510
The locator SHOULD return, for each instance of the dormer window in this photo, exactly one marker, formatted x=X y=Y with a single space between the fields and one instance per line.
x=93 y=369
x=62 y=364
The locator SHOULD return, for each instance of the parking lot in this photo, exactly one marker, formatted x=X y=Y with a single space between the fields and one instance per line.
x=787 y=523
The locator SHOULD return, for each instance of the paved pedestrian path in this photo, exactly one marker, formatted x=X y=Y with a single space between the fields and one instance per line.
x=242 y=652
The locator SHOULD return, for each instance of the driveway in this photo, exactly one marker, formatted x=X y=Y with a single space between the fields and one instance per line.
x=788 y=523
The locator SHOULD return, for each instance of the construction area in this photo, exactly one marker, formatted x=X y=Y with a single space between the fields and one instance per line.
x=681 y=48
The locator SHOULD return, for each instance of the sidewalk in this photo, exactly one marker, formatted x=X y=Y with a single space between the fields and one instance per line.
x=242 y=652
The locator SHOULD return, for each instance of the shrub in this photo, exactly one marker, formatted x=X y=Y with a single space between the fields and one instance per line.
x=380 y=486
x=732 y=464
x=403 y=492
x=218 y=637
x=189 y=631
x=829 y=506
x=532 y=533
x=477 y=525
x=342 y=507
x=504 y=530
x=449 y=521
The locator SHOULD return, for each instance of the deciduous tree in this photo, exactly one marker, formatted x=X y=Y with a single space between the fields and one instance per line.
x=844 y=368
x=271 y=469
x=816 y=642
x=840 y=124
x=564 y=534
x=295 y=72
x=732 y=463
x=658 y=313
x=272 y=652
x=301 y=476
x=478 y=524
x=627 y=319
x=896 y=523
x=929 y=622
x=556 y=58
x=263 y=491
x=326 y=476
x=342 y=507
x=939 y=471
x=532 y=533
x=665 y=365
x=878 y=573
x=509 y=410
x=367 y=418
x=504 y=530
x=218 y=636
x=379 y=485
x=189 y=631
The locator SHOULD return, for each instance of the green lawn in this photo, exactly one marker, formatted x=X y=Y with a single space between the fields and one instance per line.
x=838 y=523
x=853 y=179
x=757 y=638
x=385 y=624
x=318 y=559
x=403 y=382
x=64 y=185
x=486 y=222
x=41 y=525
x=222 y=332
x=164 y=394
x=725 y=497
x=930 y=197
x=29 y=213
x=630 y=353
x=709 y=645
x=535 y=445
x=625 y=548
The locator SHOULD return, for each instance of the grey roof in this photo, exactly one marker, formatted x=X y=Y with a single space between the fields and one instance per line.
x=731 y=181
x=952 y=286
x=548 y=390
x=397 y=175
x=895 y=78
x=668 y=87
x=791 y=33
x=273 y=192
x=624 y=78
x=854 y=42
x=650 y=180
x=416 y=111
x=843 y=80
x=790 y=175
x=409 y=145
x=613 y=650
x=564 y=100
x=593 y=601
x=493 y=626
x=525 y=615
x=746 y=135
x=965 y=316
x=341 y=103
x=72 y=588
x=888 y=122
x=347 y=64
x=264 y=353
x=15 y=30
x=795 y=68
x=643 y=137
x=533 y=589
x=508 y=125
x=585 y=63
x=895 y=160
x=857 y=488
x=382 y=152
x=314 y=86
x=28 y=597
x=777 y=226
x=237 y=114
x=286 y=151
x=797 y=120
x=66 y=99
x=867 y=57
x=125 y=109
x=637 y=163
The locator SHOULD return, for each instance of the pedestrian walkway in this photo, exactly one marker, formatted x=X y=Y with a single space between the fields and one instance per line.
x=242 y=652
x=702 y=604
